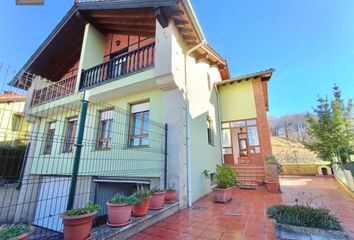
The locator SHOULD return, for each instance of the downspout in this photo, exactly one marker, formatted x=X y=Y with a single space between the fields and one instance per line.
x=188 y=138
x=220 y=123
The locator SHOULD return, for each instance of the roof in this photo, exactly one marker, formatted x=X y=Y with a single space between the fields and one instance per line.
x=264 y=75
x=9 y=96
x=61 y=49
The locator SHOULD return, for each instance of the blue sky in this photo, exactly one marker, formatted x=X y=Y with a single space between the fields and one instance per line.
x=310 y=43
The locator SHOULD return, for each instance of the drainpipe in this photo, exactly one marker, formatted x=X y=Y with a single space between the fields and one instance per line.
x=188 y=138
x=219 y=118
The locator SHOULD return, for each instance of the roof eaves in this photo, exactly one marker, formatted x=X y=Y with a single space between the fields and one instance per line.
x=252 y=75
x=121 y=4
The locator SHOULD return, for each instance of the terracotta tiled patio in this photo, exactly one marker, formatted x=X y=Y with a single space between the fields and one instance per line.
x=244 y=217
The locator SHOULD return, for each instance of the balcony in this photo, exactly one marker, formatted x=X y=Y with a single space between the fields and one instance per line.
x=118 y=67
x=54 y=91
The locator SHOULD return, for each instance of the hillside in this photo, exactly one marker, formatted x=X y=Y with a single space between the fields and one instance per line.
x=289 y=151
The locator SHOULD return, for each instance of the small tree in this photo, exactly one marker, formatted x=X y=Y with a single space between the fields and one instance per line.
x=330 y=129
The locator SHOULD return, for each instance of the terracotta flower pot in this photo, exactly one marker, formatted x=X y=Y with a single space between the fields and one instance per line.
x=259 y=181
x=272 y=187
x=157 y=201
x=119 y=214
x=78 y=227
x=141 y=209
x=222 y=195
x=170 y=196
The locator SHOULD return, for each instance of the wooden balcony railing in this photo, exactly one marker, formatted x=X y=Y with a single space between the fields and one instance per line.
x=119 y=66
x=54 y=91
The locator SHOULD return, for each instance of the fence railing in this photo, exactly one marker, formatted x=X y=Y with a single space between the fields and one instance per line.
x=119 y=66
x=57 y=90
x=36 y=176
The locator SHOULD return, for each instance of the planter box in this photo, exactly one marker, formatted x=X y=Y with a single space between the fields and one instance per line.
x=290 y=232
x=222 y=195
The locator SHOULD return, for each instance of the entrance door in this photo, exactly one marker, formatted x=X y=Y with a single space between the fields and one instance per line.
x=52 y=201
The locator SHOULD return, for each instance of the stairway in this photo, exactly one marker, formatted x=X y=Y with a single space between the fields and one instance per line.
x=247 y=174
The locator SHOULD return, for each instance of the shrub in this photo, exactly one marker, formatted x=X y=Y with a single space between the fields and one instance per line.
x=171 y=188
x=157 y=190
x=304 y=216
x=121 y=199
x=272 y=160
x=225 y=177
x=142 y=193
x=89 y=208
x=15 y=230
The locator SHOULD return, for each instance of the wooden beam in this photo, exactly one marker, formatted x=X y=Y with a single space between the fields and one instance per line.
x=134 y=33
x=189 y=38
x=180 y=22
x=173 y=11
x=133 y=28
x=201 y=56
x=128 y=22
x=128 y=13
x=185 y=31
x=161 y=17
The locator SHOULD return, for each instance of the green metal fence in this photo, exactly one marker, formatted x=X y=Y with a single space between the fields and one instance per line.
x=67 y=149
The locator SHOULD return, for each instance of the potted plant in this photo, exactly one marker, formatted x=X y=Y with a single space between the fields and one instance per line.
x=19 y=231
x=170 y=196
x=78 y=222
x=142 y=208
x=120 y=209
x=272 y=170
x=225 y=179
x=305 y=222
x=157 y=199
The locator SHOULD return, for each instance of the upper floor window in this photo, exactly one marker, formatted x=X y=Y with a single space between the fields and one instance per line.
x=48 y=145
x=104 y=137
x=139 y=125
x=210 y=131
x=71 y=125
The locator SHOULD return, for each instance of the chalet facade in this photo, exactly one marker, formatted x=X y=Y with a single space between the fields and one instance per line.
x=150 y=58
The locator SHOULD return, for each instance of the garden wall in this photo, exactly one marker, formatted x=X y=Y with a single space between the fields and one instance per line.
x=301 y=169
x=345 y=176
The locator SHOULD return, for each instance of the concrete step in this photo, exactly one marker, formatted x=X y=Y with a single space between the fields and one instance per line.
x=138 y=224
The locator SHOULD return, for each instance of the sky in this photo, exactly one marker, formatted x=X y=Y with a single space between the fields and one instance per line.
x=310 y=43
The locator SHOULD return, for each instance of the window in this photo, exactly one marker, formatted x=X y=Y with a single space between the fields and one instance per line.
x=104 y=137
x=139 y=125
x=70 y=132
x=49 y=139
x=210 y=131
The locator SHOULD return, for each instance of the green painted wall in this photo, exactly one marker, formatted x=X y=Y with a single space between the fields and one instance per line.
x=119 y=160
x=237 y=101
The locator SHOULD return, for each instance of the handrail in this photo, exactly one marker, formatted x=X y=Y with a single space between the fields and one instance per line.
x=119 y=66
x=54 y=91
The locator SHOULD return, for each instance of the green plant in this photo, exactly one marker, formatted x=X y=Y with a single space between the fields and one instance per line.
x=171 y=188
x=225 y=177
x=157 y=190
x=272 y=160
x=89 y=208
x=122 y=199
x=142 y=193
x=330 y=129
x=206 y=174
x=15 y=230
x=304 y=216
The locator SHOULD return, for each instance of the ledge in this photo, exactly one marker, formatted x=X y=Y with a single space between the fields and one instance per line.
x=137 y=224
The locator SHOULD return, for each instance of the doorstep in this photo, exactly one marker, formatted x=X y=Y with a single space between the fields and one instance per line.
x=137 y=224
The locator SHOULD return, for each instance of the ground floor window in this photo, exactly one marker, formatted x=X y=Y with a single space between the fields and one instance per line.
x=70 y=131
x=139 y=125
x=240 y=138
x=104 y=137
x=49 y=139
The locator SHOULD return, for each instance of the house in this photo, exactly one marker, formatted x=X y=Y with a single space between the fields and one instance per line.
x=142 y=64
x=13 y=128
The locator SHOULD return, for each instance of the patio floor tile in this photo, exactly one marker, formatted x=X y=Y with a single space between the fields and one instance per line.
x=244 y=217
